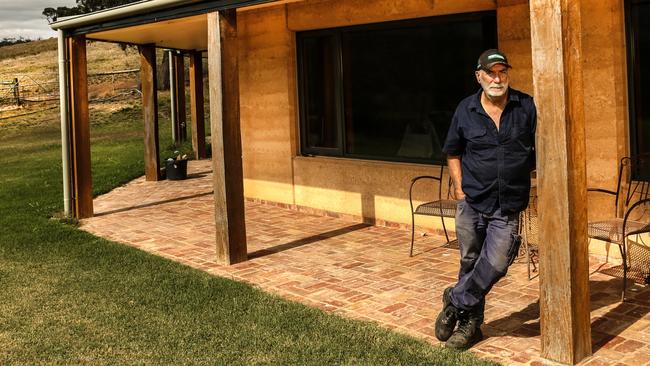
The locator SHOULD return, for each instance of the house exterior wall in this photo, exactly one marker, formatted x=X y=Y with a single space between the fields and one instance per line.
x=274 y=170
x=267 y=104
x=605 y=93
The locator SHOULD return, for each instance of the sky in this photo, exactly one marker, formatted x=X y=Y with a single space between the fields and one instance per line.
x=22 y=18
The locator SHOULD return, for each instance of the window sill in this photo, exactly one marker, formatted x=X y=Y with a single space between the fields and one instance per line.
x=358 y=162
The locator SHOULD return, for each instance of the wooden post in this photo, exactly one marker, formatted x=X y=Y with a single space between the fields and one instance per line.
x=226 y=137
x=149 y=111
x=196 y=106
x=181 y=120
x=16 y=91
x=80 y=129
x=561 y=178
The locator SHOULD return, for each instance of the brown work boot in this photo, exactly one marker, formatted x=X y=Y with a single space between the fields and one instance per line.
x=468 y=332
x=446 y=321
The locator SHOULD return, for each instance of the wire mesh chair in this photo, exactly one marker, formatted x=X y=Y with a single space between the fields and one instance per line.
x=529 y=231
x=443 y=206
x=632 y=210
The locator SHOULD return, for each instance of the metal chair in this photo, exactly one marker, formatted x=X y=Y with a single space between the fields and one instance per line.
x=443 y=206
x=632 y=209
x=529 y=231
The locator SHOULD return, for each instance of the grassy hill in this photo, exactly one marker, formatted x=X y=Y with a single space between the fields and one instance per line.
x=41 y=57
x=27 y=49
x=35 y=65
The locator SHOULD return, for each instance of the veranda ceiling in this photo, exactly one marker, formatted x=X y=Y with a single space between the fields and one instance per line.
x=188 y=33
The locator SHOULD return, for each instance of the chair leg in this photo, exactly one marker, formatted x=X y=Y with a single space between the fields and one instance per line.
x=527 y=256
x=624 y=255
x=444 y=228
x=412 y=233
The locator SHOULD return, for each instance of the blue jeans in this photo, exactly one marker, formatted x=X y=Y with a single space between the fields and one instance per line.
x=488 y=245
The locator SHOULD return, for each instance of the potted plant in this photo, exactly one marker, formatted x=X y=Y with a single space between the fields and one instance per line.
x=176 y=167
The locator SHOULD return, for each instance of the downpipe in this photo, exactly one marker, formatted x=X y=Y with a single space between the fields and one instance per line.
x=65 y=132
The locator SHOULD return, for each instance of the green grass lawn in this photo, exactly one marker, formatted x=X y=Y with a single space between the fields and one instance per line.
x=68 y=297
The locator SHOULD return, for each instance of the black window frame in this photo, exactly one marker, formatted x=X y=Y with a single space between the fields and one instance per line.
x=339 y=151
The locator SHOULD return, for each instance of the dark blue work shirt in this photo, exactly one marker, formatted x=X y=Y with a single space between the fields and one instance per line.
x=496 y=164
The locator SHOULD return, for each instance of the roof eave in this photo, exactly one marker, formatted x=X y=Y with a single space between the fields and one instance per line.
x=133 y=9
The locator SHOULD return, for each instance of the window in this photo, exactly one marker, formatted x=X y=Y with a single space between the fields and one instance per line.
x=638 y=32
x=388 y=91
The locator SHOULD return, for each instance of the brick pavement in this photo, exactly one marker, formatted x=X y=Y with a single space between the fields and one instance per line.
x=358 y=271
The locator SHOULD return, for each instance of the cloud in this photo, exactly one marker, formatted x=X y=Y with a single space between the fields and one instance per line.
x=22 y=18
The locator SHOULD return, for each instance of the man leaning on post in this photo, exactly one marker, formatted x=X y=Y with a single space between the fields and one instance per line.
x=490 y=150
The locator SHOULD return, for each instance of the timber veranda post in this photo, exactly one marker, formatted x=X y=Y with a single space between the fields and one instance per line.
x=197 y=111
x=561 y=178
x=180 y=123
x=150 y=111
x=82 y=186
x=227 y=167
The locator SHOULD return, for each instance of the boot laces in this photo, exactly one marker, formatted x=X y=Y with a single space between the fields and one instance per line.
x=467 y=326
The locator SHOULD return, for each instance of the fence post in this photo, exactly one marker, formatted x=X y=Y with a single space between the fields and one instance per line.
x=16 y=91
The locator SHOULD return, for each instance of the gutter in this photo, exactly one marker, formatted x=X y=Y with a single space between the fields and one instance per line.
x=136 y=8
x=146 y=9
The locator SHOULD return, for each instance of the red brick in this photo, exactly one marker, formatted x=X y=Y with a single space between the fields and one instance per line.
x=392 y=308
x=629 y=346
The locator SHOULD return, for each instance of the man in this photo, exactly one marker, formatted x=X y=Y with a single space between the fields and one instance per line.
x=490 y=152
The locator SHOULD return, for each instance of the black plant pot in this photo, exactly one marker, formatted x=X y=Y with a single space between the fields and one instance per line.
x=176 y=169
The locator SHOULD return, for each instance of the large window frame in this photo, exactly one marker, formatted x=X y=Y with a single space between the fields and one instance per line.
x=339 y=92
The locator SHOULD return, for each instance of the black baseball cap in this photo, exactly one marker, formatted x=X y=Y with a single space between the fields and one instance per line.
x=490 y=58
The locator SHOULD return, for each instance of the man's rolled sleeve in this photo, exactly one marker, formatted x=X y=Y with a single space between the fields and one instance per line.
x=454 y=143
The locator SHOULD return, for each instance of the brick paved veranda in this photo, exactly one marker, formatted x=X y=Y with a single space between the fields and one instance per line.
x=358 y=271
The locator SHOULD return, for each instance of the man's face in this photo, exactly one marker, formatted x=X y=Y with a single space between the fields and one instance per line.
x=494 y=82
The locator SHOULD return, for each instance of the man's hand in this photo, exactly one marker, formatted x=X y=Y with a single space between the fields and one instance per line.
x=456 y=177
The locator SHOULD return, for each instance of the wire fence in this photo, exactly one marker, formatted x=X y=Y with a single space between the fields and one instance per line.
x=24 y=88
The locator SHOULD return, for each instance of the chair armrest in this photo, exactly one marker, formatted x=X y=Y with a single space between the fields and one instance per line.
x=601 y=190
x=629 y=211
x=423 y=177
x=608 y=192
x=414 y=180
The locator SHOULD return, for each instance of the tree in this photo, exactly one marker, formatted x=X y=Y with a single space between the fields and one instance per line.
x=83 y=7
x=62 y=11
x=88 y=6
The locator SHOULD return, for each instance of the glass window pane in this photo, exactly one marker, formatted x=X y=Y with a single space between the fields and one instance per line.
x=640 y=119
x=387 y=91
x=402 y=84
x=319 y=92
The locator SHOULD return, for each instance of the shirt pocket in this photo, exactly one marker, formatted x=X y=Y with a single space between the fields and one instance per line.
x=521 y=134
x=475 y=133
x=521 y=126
x=477 y=137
